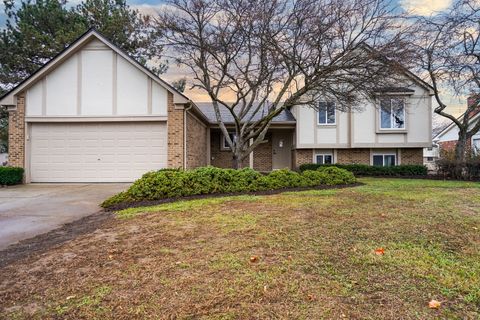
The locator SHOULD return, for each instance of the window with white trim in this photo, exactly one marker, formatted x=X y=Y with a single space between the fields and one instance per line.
x=324 y=159
x=326 y=113
x=392 y=113
x=476 y=145
x=384 y=160
x=232 y=136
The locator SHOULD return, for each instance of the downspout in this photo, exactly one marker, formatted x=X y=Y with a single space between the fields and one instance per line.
x=185 y=110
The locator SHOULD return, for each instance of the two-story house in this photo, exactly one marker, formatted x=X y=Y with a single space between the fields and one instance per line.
x=94 y=114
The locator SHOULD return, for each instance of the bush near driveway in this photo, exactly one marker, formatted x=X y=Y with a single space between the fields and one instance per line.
x=11 y=175
x=366 y=170
x=171 y=183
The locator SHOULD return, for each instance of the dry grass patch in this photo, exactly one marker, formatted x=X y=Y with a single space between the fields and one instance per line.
x=301 y=255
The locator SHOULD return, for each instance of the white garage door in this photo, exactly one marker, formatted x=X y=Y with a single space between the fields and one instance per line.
x=96 y=152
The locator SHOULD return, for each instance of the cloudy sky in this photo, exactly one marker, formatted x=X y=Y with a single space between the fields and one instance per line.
x=420 y=7
x=416 y=7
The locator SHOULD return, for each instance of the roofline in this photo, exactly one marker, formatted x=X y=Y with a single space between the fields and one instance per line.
x=451 y=125
x=180 y=97
x=271 y=123
x=404 y=69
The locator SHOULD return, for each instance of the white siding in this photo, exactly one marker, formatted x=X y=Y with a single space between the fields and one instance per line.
x=62 y=89
x=159 y=100
x=97 y=75
x=132 y=89
x=360 y=128
x=364 y=124
x=342 y=122
x=33 y=103
x=418 y=113
x=305 y=125
x=326 y=134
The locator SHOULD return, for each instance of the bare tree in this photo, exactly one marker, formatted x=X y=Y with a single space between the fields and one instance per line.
x=450 y=54
x=256 y=58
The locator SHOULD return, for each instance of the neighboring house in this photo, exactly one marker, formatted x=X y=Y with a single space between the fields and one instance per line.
x=448 y=137
x=431 y=156
x=3 y=159
x=93 y=114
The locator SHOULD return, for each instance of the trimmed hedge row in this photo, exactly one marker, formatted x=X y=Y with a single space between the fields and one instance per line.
x=366 y=170
x=10 y=175
x=169 y=183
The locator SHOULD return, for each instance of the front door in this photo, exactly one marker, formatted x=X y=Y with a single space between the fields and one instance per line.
x=281 y=149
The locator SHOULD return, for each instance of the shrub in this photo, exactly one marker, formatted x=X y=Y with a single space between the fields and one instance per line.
x=11 y=175
x=169 y=183
x=366 y=170
x=468 y=170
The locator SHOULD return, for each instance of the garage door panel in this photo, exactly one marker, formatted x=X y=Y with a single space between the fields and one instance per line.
x=96 y=152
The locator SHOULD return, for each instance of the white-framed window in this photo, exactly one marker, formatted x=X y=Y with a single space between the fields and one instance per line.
x=326 y=113
x=324 y=158
x=476 y=145
x=392 y=113
x=232 y=136
x=384 y=160
x=430 y=159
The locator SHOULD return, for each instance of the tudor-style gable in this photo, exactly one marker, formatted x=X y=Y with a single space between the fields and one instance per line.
x=92 y=77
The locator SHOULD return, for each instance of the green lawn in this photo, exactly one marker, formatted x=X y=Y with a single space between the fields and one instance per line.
x=299 y=255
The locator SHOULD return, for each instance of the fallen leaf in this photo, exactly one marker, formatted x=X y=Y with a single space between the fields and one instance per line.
x=265 y=289
x=311 y=297
x=434 y=304
x=379 y=251
x=253 y=259
x=70 y=297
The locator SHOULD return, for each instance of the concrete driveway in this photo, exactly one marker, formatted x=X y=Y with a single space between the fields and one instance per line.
x=33 y=209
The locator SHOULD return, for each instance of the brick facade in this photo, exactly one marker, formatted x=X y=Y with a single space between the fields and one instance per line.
x=412 y=156
x=262 y=155
x=222 y=158
x=196 y=142
x=175 y=134
x=16 y=134
x=301 y=156
x=353 y=156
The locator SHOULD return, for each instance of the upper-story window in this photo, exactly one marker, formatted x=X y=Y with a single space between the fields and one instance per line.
x=326 y=113
x=392 y=113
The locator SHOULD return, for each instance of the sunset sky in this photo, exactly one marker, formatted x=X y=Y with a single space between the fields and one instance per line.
x=415 y=7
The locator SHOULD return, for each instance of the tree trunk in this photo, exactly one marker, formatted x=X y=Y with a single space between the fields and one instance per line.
x=460 y=155
x=236 y=162
x=461 y=147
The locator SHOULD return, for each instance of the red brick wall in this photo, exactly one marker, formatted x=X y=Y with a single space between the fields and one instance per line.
x=175 y=134
x=220 y=157
x=353 y=156
x=16 y=134
x=301 y=156
x=412 y=156
x=262 y=155
x=196 y=142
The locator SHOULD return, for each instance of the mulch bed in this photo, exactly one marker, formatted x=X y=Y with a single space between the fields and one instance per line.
x=143 y=203
x=426 y=177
